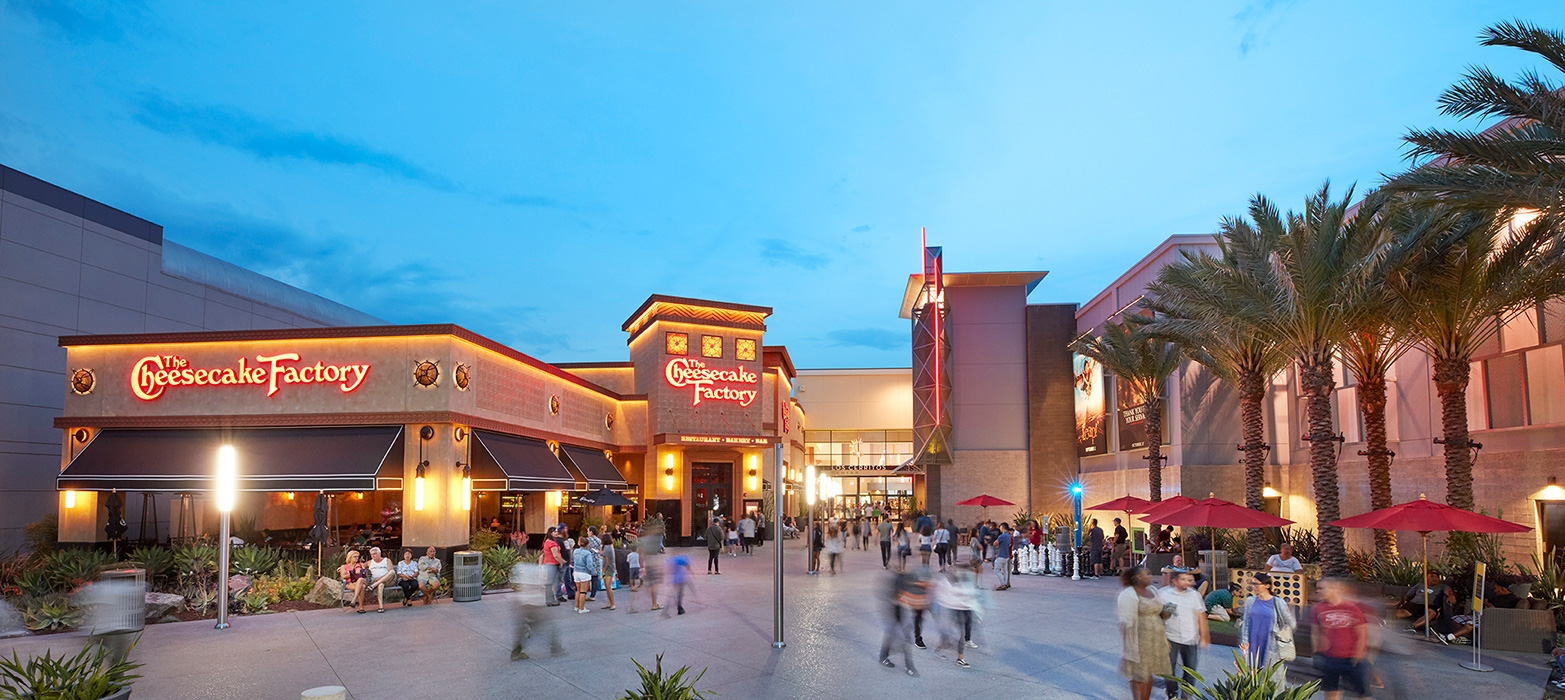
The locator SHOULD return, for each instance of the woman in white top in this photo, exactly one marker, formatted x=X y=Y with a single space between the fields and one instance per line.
x=833 y=548
x=958 y=593
x=926 y=544
x=942 y=540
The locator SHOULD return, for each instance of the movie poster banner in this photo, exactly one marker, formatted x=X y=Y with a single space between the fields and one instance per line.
x=1091 y=427
x=1132 y=411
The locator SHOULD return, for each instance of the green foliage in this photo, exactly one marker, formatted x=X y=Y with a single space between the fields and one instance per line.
x=497 y=565
x=1244 y=683
x=332 y=562
x=1361 y=564
x=1306 y=546
x=41 y=536
x=1462 y=549
x=69 y=568
x=251 y=560
x=46 y=614
x=657 y=685
x=89 y=675
x=157 y=561
x=34 y=582
x=482 y=540
x=198 y=559
x=279 y=587
x=200 y=596
x=12 y=568
x=1399 y=572
x=1550 y=587
x=255 y=601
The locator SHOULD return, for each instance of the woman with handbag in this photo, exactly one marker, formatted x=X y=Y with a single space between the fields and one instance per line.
x=1143 y=639
x=1266 y=629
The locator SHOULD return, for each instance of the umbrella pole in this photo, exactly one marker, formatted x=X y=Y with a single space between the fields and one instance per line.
x=1423 y=539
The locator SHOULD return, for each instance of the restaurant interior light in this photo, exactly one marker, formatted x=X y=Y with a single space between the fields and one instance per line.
x=290 y=495
x=70 y=499
x=227 y=476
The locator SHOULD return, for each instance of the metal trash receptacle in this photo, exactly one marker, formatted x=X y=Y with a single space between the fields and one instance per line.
x=123 y=606
x=467 y=576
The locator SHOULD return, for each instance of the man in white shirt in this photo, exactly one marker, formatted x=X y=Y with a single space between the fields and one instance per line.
x=1283 y=562
x=380 y=574
x=1186 y=626
x=746 y=533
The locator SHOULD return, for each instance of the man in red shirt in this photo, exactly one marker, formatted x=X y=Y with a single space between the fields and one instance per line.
x=550 y=559
x=1341 y=637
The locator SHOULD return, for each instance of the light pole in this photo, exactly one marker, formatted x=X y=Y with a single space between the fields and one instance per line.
x=810 y=487
x=227 y=475
x=778 y=484
x=1076 y=533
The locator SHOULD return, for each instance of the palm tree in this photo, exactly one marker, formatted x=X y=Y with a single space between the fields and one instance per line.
x=1372 y=345
x=1514 y=164
x=1456 y=277
x=1143 y=361
x=1192 y=310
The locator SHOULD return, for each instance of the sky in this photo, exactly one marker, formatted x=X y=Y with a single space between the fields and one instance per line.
x=533 y=171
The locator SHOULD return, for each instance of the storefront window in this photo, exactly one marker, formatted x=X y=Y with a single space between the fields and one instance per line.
x=677 y=343
x=1503 y=377
x=711 y=346
x=868 y=449
x=744 y=349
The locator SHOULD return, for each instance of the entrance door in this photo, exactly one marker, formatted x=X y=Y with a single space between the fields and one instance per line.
x=712 y=489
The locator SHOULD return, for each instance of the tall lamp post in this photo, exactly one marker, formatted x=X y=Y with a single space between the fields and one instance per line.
x=1076 y=490
x=779 y=482
x=810 y=487
x=227 y=476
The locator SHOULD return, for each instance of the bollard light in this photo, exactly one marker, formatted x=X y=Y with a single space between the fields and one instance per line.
x=809 y=484
x=224 y=486
x=227 y=475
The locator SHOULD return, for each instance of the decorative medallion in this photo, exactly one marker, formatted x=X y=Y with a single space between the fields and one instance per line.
x=711 y=346
x=677 y=343
x=608 y=421
x=461 y=376
x=744 y=349
x=426 y=373
x=82 y=381
x=554 y=405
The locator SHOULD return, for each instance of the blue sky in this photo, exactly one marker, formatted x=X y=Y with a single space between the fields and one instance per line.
x=533 y=171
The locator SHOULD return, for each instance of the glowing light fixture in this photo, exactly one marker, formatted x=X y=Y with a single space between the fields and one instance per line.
x=227 y=477
x=1551 y=492
x=418 y=488
x=467 y=486
x=754 y=480
x=1269 y=492
x=70 y=499
x=668 y=471
x=809 y=484
x=290 y=495
x=556 y=498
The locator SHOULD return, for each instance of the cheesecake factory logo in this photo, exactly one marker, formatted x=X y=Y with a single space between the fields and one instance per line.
x=685 y=371
x=154 y=374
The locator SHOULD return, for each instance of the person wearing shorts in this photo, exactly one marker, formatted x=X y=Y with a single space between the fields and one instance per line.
x=1341 y=637
x=581 y=561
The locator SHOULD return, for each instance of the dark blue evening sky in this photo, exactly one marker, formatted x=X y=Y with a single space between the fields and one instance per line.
x=534 y=170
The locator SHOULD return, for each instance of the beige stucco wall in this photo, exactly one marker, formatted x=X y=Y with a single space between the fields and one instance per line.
x=863 y=399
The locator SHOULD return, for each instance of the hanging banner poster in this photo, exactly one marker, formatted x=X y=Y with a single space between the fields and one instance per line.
x=1091 y=427
x=1132 y=411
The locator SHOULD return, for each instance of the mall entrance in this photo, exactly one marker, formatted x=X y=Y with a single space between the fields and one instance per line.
x=712 y=489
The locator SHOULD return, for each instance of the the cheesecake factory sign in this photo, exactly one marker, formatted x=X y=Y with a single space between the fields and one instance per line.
x=154 y=374
x=712 y=384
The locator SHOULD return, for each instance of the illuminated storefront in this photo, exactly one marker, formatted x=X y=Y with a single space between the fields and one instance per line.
x=420 y=433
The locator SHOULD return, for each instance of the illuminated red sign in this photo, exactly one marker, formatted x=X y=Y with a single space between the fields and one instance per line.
x=154 y=374
x=686 y=371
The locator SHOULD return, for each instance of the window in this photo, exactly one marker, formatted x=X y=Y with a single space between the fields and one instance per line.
x=677 y=343
x=1552 y=314
x=867 y=449
x=1520 y=332
x=711 y=346
x=1503 y=378
x=1546 y=385
x=744 y=349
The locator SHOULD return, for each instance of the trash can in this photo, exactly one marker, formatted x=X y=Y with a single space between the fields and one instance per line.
x=467 y=576
x=1219 y=559
x=120 y=602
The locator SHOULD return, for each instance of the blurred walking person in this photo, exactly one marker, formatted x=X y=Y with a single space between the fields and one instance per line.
x=1143 y=639
x=958 y=594
x=680 y=575
x=648 y=546
x=942 y=543
x=1186 y=628
x=858 y=529
x=747 y=533
x=926 y=544
x=1340 y=634
x=908 y=600
x=833 y=548
x=532 y=583
x=884 y=528
x=817 y=543
x=609 y=569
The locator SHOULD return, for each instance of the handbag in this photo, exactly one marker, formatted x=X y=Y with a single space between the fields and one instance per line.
x=1284 y=640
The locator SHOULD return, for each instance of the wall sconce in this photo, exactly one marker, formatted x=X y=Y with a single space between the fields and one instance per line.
x=1551 y=492
x=1269 y=492
x=418 y=487
x=70 y=499
x=668 y=471
x=754 y=482
x=556 y=498
x=467 y=485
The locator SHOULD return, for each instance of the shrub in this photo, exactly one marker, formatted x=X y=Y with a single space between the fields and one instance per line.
x=1306 y=547
x=199 y=597
x=42 y=535
x=1399 y=572
x=1361 y=564
x=34 y=582
x=251 y=561
x=283 y=587
x=1550 y=587
x=255 y=601
x=657 y=685
x=11 y=570
x=482 y=540
x=157 y=561
x=69 y=568
x=44 y=614
x=497 y=565
x=1246 y=682
x=88 y=675
x=195 y=560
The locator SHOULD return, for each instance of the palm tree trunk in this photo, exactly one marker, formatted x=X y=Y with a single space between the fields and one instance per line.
x=1372 y=403
x=1154 y=428
x=1252 y=392
x=1451 y=376
x=1316 y=383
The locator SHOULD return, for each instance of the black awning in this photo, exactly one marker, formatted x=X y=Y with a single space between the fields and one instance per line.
x=525 y=464
x=592 y=467
x=270 y=459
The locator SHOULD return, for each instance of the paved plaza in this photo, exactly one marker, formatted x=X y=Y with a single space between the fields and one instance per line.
x=1044 y=638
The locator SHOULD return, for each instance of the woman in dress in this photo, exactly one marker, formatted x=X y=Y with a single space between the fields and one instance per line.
x=833 y=548
x=1143 y=642
x=1266 y=629
x=353 y=574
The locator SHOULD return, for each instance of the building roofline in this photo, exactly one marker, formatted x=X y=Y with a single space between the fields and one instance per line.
x=780 y=351
x=335 y=332
x=915 y=283
x=689 y=301
x=51 y=195
x=1173 y=241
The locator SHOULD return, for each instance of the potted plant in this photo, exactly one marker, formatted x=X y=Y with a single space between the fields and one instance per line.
x=655 y=685
x=88 y=675
x=1246 y=682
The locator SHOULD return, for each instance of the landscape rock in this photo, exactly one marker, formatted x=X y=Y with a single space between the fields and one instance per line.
x=162 y=604
x=327 y=591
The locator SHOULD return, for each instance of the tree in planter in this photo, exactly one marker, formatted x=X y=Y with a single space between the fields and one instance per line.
x=1456 y=277
x=1143 y=361
x=1193 y=311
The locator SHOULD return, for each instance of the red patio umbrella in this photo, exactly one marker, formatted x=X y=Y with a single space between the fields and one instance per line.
x=1423 y=517
x=985 y=500
x=1127 y=505
x=1214 y=513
